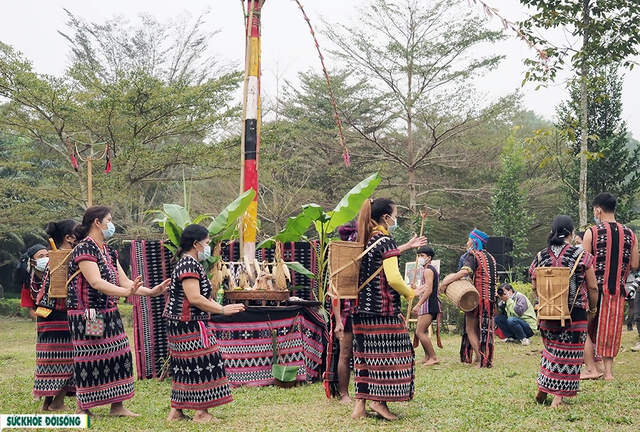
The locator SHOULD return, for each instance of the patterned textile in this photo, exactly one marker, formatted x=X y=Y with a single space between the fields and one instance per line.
x=152 y=261
x=103 y=367
x=106 y=258
x=612 y=243
x=178 y=306
x=54 y=356
x=432 y=304
x=563 y=355
x=479 y=238
x=199 y=379
x=246 y=343
x=383 y=359
x=566 y=256
x=484 y=279
x=377 y=297
x=302 y=252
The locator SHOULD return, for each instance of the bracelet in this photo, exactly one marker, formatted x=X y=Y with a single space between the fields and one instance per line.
x=222 y=311
x=592 y=311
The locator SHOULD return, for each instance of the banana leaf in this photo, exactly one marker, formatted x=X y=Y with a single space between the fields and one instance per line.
x=178 y=214
x=284 y=373
x=230 y=214
x=350 y=204
x=299 y=268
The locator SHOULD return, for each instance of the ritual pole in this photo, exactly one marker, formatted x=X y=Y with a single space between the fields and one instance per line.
x=89 y=180
x=250 y=143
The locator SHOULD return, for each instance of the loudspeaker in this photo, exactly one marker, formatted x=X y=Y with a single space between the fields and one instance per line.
x=499 y=245
x=504 y=262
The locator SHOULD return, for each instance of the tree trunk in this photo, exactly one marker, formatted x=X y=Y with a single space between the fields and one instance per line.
x=584 y=125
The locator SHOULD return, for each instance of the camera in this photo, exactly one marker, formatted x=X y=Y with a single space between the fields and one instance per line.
x=632 y=288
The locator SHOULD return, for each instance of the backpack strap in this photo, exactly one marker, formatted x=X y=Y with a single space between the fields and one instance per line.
x=575 y=265
x=370 y=278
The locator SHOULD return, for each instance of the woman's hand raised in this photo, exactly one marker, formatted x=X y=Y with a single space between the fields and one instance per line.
x=137 y=284
x=160 y=288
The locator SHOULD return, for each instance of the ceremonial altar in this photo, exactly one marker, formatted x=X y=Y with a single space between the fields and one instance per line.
x=246 y=343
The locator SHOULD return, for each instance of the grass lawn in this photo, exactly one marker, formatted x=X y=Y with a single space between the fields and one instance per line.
x=449 y=396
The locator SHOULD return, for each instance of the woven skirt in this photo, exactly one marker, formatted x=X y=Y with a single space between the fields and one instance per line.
x=562 y=357
x=197 y=368
x=103 y=365
x=383 y=359
x=54 y=356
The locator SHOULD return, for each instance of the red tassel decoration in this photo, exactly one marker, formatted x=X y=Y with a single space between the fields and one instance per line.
x=107 y=168
x=74 y=162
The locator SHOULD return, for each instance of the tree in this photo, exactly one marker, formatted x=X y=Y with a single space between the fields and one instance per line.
x=614 y=163
x=146 y=90
x=604 y=31
x=510 y=215
x=419 y=60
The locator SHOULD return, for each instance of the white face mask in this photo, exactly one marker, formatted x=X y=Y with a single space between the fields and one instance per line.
x=422 y=261
x=41 y=264
x=110 y=231
x=204 y=255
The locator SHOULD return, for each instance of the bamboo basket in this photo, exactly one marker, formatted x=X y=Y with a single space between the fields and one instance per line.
x=463 y=294
x=58 y=266
x=344 y=268
x=552 y=284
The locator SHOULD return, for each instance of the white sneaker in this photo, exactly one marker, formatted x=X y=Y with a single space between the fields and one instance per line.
x=636 y=347
x=525 y=341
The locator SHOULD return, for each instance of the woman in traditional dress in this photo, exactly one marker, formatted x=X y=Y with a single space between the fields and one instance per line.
x=54 y=349
x=563 y=352
x=478 y=330
x=199 y=379
x=29 y=274
x=383 y=355
x=103 y=366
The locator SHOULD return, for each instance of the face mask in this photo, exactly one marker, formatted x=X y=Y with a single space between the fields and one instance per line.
x=597 y=221
x=203 y=256
x=41 y=263
x=422 y=262
x=392 y=228
x=110 y=231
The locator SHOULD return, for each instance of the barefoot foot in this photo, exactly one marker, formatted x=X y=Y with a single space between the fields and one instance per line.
x=176 y=414
x=86 y=412
x=204 y=419
x=121 y=412
x=587 y=375
x=46 y=403
x=382 y=409
x=541 y=397
x=608 y=377
x=58 y=407
x=558 y=402
x=358 y=414
x=432 y=361
x=346 y=400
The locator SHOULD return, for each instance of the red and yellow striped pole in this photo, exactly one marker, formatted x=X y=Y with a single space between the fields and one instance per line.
x=251 y=130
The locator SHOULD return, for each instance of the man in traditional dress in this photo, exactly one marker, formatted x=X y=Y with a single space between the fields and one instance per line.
x=616 y=250
x=477 y=336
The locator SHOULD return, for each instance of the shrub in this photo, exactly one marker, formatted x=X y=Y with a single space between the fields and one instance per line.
x=11 y=307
